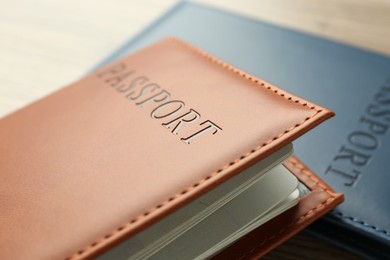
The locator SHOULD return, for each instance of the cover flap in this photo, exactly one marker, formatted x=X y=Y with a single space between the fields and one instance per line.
x=312 y=206
x=109 y=155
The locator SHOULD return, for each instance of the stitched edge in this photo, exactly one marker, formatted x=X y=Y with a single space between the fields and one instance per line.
x=259 y=82
x=358 y=221
x=213 y=174
x=363 y=223
x=363 y=245
x=302 y=169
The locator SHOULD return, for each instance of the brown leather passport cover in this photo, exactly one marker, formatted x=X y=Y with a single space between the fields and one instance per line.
x=106 y=157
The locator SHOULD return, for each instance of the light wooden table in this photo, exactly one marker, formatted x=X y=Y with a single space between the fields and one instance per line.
x=45 y=45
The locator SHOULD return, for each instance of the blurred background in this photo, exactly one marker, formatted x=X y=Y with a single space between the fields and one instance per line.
x=45 y=45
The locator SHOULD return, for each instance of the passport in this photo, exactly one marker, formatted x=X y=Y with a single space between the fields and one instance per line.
x=355 y=83
x=168 y=152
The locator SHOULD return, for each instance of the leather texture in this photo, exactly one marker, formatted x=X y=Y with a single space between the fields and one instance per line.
x=354 y=83
x=313 y=205
x=103 y=158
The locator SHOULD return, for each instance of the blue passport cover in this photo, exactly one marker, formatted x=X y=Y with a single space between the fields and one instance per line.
x=353 y=152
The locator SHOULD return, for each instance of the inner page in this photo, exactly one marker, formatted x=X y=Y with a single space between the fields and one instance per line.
x=171 y=227
x=268 y=197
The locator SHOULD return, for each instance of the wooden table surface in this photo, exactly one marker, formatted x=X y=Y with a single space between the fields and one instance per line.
x=45 y=45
